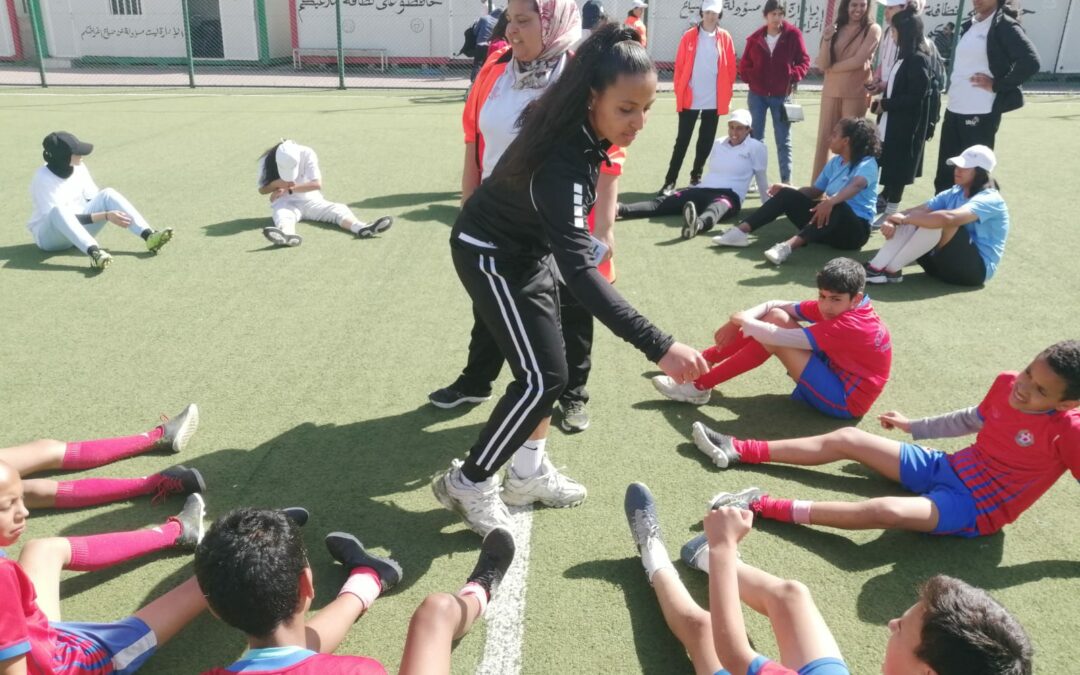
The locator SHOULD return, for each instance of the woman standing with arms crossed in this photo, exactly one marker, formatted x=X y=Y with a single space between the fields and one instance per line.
x=528 y=217
x=773 y=62
x=503 y=89
x=704 y=78
x=847 y=50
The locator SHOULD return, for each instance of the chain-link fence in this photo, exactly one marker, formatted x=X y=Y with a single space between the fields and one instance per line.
x=364 y=43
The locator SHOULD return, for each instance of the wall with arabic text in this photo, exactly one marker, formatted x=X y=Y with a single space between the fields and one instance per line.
x=8 y=26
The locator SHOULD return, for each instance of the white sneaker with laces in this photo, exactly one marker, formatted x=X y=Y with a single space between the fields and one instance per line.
x=778 y=253
x=480 y=508
x=548 y=486
x=687 y=393
x=733 y=237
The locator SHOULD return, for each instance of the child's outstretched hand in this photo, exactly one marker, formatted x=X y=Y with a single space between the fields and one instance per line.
x=894 y=420
x=727 y=525
x=725 y=334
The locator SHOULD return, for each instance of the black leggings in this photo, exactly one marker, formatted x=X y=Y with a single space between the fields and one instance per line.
x=958 y=133
x=957 y=262
x=705 y=199
x=706 y=136
x=845 y=230
x=893 y=193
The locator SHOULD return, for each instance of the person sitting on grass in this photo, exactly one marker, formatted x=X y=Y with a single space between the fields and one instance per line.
x=1028 y=435
x=840 y=362
x=957 y=237
x=836 y=210
x=952 y=629
x=289 y=173
x=47 y=454
x=69 y=208
x=253 y=568
x=33 y=640
x=734 y=161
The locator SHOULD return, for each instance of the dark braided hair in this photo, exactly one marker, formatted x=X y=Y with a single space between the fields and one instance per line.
x=862 y=134
x=270 y=170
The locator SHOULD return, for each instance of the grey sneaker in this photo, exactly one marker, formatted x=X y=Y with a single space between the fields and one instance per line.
x=298 y=514
x=347 y=550
x=481 y=509
x=496 y=554
x=719 y=447
x=548 y=486
x=743 y=499
x=691 y=226
x=640 y=508
x=179 y=430
x=574 y=416
x=178 y=480
x=686 y=392
x=449 y=397
x=190 y=518
x=156 y=240
x=778 y=253
x=695 y=553
x=378 y=227
x=100 y=259
x=275 y=235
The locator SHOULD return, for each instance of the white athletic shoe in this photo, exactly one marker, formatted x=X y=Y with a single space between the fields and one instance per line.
x=691 y=226
x=179 y=430
x=778 y=253
x=743 y=499
x=548 y=486
x=733 y=237
x=719 y=447
x=481 y=509
x=687 y=393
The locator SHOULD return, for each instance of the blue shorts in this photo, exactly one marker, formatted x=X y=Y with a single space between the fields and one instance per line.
x=827 y=665
x=82 y=647
x=928 y=473
x=821 y=389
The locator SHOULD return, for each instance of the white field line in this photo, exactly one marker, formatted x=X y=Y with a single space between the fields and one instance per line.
x=506 y=614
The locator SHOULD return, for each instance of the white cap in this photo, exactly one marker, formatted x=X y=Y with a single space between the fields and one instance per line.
x=976 y=156
x=740 y=116
x=639 y=3
x=288 y=160
x=895 y=3
x=713 y=6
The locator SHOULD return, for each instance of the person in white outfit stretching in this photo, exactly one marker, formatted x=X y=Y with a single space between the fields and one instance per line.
x=289 y=173
x=70 y=209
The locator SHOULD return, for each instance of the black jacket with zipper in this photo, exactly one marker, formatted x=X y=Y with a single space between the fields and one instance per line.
x=1013 y=59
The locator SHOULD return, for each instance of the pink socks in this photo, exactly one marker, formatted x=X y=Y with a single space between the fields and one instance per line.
x=89 y=454
x=751 y=451
x=481 y=594
x=99 y=551
x=73 y=494
x=750 y=356
x=364 y=583
x=783 y=510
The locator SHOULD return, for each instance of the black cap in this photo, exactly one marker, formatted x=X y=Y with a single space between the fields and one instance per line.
x=67 y=143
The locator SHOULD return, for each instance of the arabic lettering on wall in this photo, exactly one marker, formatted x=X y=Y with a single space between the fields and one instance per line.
x=108 y=32
x=396 y=6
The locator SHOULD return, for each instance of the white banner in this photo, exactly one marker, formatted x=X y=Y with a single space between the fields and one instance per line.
x=7 y=29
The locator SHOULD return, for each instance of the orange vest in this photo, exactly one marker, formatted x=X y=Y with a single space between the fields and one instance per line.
x=684 y=68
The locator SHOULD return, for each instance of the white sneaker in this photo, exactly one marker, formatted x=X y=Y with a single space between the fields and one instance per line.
x=480 y=508
x=690 y=220
x=687 y=393
x=778 y=253
x=548 y=486
x=719 y=447
x=733 y=237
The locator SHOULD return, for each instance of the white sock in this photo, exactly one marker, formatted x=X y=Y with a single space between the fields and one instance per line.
x=473 y=588
x=655 y=557
x=357 y=226
x=529 y=457
x=463 y=480
x=891 y=208
x=364 y=584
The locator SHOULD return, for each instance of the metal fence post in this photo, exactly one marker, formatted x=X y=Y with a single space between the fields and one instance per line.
x=802 y=16
x=38 y=32
x=186 y=9
x=340 y=48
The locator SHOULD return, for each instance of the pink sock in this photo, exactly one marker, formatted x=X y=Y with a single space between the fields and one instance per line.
x=715 y=354
x=72 y=494
x=99 y=551
x=475 y=589
x=749 y=357
x=774 y=509
x=89 y=454
x=364 y=583
x=751 y=451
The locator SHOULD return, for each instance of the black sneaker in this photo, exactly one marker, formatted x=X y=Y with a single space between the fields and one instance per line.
x=574 y=416
x=178 y=480
x=347 y=550
x=190 y=518
x=448 y=397
x=298 y=514
x=378 y=227
x=695 y=180
x=667 y=190
x=496 y=554
x=874 y=276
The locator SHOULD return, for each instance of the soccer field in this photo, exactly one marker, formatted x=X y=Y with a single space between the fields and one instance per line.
x=311 y=367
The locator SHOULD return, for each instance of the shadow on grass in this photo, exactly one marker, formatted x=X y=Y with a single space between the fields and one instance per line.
x=658 y=651
x=240 y=226
x=406 y=199
x=30 y=257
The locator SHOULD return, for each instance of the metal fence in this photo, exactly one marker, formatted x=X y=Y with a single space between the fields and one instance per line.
x=362 y=43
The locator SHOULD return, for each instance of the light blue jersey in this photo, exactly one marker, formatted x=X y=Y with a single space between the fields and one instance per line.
x=837 y=173
x=989 y=232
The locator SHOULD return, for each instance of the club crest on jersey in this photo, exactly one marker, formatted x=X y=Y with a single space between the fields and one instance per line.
x=1024 y=438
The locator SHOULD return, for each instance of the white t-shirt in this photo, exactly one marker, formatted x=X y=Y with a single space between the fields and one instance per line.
x=500 y=112
x=890 y=78
x=888 y=51
x=307 y=171
x=970 y=58
x=771 y=40
x=703 y=79
x=47 y=190
x=732 y=166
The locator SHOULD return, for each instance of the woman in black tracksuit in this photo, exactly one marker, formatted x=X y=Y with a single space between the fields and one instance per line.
x=526 y=219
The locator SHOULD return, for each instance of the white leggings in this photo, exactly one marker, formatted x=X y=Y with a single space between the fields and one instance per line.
x=63 y=230
x=908 y=244
x=287 y=212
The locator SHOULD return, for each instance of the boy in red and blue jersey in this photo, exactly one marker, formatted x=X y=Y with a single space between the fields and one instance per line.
x=840 y=361
x=1027 y=436
x=32 y=637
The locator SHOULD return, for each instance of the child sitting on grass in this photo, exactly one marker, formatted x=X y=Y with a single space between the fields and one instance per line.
x=953 y=628
x=1028 y=435
x=841 y=361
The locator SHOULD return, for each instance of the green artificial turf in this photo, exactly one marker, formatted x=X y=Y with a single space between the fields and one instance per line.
x=312 y=366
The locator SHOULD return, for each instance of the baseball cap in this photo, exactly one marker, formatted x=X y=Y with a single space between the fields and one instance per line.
x=978 y=156
x=713 y=6
x=740 y=116
x=639 y=3
x=287 y=157
x=895 y=3
x=63 y=142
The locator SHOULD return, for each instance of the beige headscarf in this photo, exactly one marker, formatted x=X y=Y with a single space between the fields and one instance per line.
x=560 y=27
